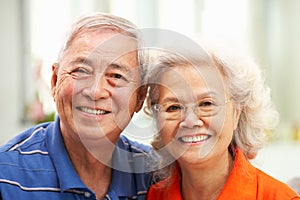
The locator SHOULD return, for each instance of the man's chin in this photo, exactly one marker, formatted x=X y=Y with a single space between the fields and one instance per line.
x=98 y=134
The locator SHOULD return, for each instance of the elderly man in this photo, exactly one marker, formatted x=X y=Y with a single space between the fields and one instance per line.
x=97 y=85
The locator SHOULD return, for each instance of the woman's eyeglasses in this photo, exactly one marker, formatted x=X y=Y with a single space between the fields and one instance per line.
x=176 y=110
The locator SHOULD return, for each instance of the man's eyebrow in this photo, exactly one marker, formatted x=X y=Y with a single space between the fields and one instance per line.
x=90 y=62
x=82 y=60
x=118 y=66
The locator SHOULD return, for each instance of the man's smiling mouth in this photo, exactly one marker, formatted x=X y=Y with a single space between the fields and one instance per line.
x=93 y=111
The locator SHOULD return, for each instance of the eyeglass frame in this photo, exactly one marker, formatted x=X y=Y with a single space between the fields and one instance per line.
x=182 y=113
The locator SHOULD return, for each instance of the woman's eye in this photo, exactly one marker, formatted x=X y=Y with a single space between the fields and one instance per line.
x=206 y=103
x=174 y=108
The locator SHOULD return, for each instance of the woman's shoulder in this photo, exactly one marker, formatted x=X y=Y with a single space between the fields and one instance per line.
x=273 y=188
x=254 y=183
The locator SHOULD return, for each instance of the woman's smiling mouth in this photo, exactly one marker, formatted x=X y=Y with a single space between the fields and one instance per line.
x=194 y=138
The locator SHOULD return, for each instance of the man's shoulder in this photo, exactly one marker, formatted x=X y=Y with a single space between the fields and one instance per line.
x=26 y=156
x=26 y=139
x=26 y=150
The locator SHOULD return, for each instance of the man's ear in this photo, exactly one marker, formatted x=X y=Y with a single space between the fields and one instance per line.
x=54 y=79
x=141 y=95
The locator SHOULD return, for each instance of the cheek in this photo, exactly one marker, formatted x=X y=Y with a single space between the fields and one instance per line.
x=220 y=123
x=167 y=130
x=225 y=128
x=64 y=90
x=231 y=120
x=123 y=105
x=125 y=99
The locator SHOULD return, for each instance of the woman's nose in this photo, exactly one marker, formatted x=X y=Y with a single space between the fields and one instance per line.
x=191 y=119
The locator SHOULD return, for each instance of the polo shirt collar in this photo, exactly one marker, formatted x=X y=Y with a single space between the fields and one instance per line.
x=124 y=166
x=242 y=172
x=68 y=177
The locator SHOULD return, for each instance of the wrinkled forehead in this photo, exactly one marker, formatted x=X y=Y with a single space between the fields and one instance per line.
x=188 y=82
x=118 y=42
x=109 y=41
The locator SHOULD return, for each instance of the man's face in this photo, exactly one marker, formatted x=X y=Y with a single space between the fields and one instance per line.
x=96 y=85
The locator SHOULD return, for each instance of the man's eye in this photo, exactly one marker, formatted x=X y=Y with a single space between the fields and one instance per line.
x=116 y=76
x=174 y=108
x=80 y=72
x=117 y=79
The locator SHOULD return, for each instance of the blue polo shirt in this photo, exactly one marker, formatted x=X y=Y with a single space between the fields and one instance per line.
x=35 y=165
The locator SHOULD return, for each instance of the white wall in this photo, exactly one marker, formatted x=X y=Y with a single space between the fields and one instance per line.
x=10 y=65
x=276 y=45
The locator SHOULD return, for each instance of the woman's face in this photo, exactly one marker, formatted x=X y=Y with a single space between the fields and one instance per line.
x=196 y=117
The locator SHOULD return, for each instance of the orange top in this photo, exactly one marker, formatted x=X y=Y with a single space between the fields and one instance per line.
x=245 y=182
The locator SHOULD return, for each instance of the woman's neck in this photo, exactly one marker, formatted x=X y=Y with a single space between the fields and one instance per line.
x=206 y=180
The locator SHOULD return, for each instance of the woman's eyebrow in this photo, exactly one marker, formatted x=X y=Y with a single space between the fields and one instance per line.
x=208 y=94
x=170 y=99
x=200 y=96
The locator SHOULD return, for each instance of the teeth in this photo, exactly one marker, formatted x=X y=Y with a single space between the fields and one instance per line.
x=193 y=139
x=92 y=111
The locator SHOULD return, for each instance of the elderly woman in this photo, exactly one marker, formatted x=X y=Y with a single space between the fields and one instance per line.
x=211 y=112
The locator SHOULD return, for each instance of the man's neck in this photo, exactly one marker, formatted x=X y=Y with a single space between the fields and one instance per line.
x=92 y=162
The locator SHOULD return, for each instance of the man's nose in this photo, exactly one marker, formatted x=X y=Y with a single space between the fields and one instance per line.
x=98 y=88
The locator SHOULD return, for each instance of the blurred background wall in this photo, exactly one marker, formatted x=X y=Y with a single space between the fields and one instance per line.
x=32 y=31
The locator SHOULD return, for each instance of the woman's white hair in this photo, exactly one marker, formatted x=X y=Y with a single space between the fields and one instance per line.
x=247 y=87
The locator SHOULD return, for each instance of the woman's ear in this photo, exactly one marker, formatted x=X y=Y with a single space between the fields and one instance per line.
x=237 y=113
x=141 y=95
x=54 y=79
